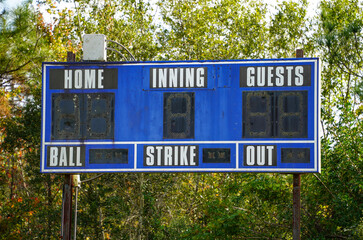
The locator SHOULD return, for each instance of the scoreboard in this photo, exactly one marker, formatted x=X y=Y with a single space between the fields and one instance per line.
x=181 y=116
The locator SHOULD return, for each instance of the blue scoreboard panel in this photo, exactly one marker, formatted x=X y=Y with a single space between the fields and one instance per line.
x=181 y=116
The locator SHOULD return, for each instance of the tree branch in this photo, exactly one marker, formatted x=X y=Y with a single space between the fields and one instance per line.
x=324 y=185
x=17 y=69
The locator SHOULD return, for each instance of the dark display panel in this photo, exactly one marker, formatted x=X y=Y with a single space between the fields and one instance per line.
x=66 y=115
x=83 y=116
x=216 y=155
x=274 y=114
x=108 y=156
x=178 y=115
x=295 y=155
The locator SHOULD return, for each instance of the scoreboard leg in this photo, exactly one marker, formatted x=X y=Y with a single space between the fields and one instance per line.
x=296 y=192
x=67 y=207
x=67 y=190
x=296 y=208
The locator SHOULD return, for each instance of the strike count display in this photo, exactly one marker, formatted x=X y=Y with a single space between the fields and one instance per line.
x=181 y=116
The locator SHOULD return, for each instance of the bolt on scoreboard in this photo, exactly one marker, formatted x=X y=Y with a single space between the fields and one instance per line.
x=181 y=116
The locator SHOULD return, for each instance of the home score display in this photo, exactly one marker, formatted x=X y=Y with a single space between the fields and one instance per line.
x=181 y=116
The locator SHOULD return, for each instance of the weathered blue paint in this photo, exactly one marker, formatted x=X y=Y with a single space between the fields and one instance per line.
x=138 y=118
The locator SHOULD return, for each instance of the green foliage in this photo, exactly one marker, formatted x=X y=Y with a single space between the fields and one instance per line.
x=339 y=213
x=207 y=29
x=26 y=199
x=126 y=22
x=184 y=206
x=289 y=30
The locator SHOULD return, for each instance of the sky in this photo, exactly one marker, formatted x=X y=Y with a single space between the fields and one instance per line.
x=313 y=4
x=13 y=3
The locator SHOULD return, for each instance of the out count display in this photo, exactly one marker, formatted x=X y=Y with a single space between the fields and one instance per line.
x=181 y=116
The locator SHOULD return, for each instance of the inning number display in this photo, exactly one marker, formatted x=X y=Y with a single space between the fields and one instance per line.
x=181 y=116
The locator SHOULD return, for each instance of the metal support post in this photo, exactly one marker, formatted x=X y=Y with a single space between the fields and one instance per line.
x=67 y=190
x=296 y=192
x=67 y=207
x=296 y=206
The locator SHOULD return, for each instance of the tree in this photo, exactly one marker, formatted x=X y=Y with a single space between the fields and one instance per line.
x=24 y=46
x=189 y=206
x=227 y=29
x=334 y=207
